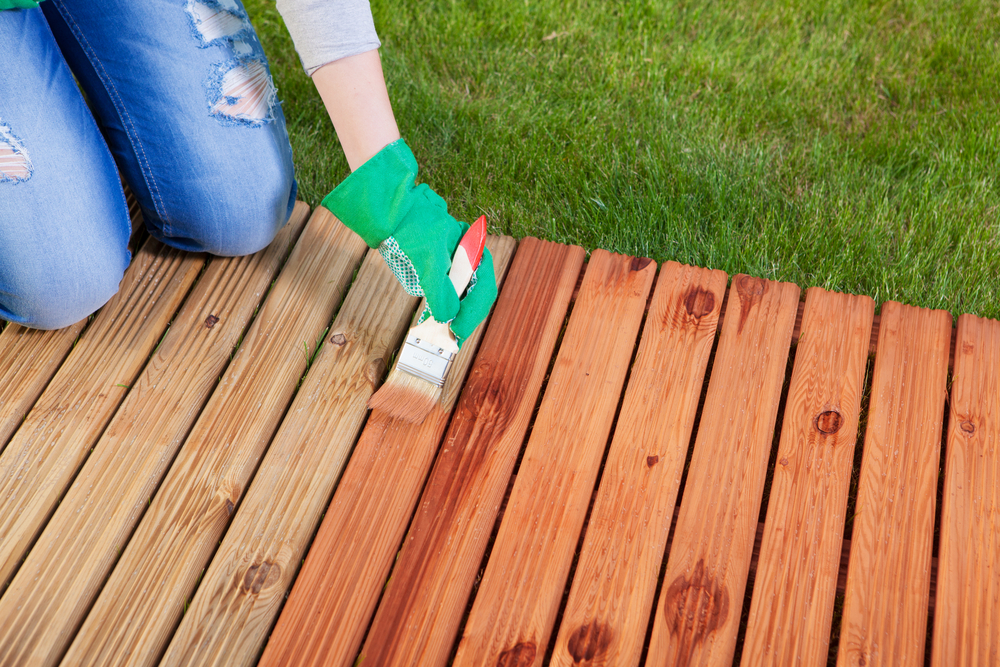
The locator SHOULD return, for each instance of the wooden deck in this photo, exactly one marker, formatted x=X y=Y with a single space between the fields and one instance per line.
x=632 y=465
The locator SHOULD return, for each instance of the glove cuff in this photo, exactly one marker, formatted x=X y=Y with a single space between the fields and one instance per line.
x=375 y=197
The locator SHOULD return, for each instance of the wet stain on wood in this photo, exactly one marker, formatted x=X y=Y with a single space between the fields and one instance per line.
x=211 y=321
x=259 y=577
x=695 y=607
x=521 y=655
x=828 y=422
x=750 y=290
x=589 y=642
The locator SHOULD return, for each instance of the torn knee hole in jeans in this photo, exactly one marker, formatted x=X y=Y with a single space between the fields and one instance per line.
x=15 y=165
x=217 y=21
x=243 y=92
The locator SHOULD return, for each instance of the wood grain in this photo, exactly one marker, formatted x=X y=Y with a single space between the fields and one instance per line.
x=62 y=574
x=28 y=360
x=796 y=579
x=139 y=607
x=615 y=582
x=426 y=596
x=45 y=453
x=328 y=611
x=519 y=596
x=885 y=604
x=967 y=614
x=698 y=613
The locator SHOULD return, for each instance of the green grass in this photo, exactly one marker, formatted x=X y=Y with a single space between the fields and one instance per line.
x=848 y=145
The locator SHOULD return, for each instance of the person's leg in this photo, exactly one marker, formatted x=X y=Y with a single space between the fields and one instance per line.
x=184 y=97
x=64 y=224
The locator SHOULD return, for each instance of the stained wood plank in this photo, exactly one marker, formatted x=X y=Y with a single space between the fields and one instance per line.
x=697 y=615
x=329 y=609
x=58 y=581
x=46 y=451
x=419 y=616
x=796 y=579
x=140 y=605
x=28 y=360
x=888 y=577
x=518 y=599
x=967 y=613
x=612 y=591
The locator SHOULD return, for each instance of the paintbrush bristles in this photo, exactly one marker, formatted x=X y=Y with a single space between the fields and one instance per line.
x=405 y=397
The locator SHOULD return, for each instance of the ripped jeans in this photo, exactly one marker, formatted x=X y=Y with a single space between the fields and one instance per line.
x=179 y=95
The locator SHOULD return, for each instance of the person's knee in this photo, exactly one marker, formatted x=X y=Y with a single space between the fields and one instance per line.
x=236 y=214
x=56 y=290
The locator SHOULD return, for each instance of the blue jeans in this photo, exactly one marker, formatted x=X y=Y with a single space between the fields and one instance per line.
x=179 y=95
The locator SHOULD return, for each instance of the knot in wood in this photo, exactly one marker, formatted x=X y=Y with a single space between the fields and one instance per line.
x=968 y=428
x=640 y=263
x=338 y=339
x=259 y=577
x=750 y=286
x=652 y=460
x=211 y=321
x=699 y=302
x=828 y=422
x=520 y=655
x=695 y=607
x=590 y=642
x=375 y=371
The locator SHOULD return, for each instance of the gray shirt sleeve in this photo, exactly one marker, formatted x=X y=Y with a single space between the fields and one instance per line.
x=328 y=30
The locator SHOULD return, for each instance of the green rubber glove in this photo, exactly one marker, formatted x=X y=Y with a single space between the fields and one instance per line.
x=411 y=227
x=18 y=4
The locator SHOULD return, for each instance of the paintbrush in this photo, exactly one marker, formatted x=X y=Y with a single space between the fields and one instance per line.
x=423 y=364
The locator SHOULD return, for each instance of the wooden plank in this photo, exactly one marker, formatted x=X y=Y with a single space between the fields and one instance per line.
x=329 y=609
x=796 y=579
x=697 y=616
x=28 y=360
x=61 y=576
x=967 y=614
x=885 y=604
x=56 y=436
x=424 y=601
x=518 y=599
x=140 y=605
x=612 y=592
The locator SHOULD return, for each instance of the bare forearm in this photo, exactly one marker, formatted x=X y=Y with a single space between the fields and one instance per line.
x=353 y=90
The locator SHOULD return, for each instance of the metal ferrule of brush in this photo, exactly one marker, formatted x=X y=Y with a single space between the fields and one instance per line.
x=425 y=360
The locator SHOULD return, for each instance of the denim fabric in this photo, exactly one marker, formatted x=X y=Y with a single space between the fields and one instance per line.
x=180 y=95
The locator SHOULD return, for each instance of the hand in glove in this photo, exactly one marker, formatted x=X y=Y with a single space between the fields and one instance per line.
x=411 y=227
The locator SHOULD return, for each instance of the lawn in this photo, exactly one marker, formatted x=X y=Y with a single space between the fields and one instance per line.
x=849 y=145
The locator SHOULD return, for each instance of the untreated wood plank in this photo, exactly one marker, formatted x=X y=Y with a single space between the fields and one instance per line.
x=612 y=591
x=58 y=581
x=967 y=613
x=420 y=613
x=326 y=615
x=56 y=436
x=518 y=598
x=140 y=605
x=28 y=360
x=698 y=613
x=888 y=577
x=796 y=579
